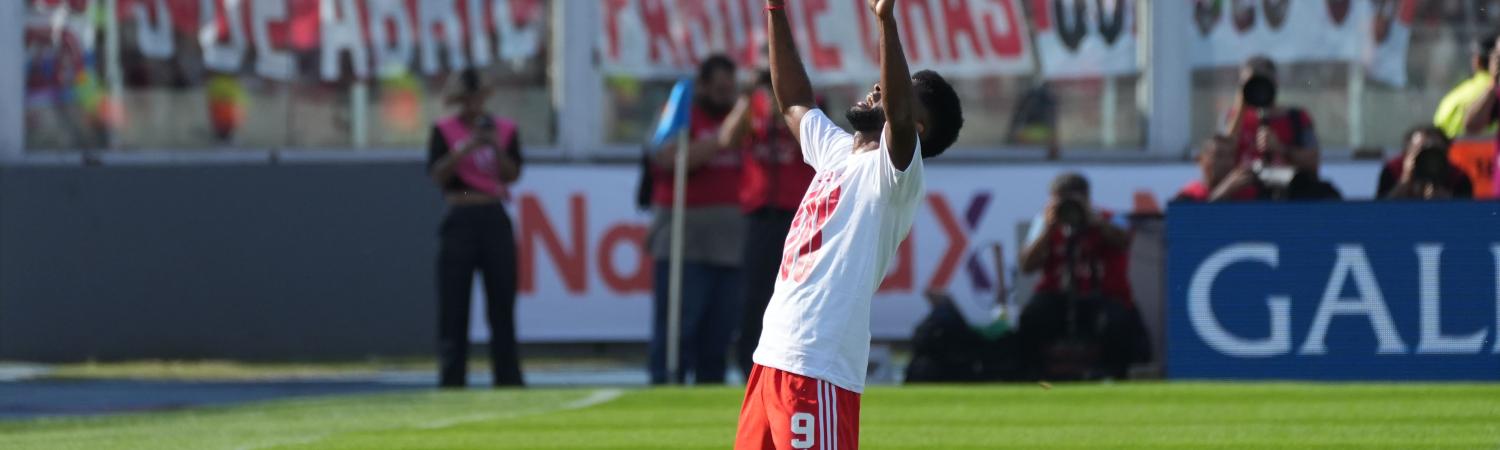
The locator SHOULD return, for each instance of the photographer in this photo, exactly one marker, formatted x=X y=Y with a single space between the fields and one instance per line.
x=713 y=233
x=1422 y=170
x=1221 y=181
x=1081 y=321
x=1277 y=144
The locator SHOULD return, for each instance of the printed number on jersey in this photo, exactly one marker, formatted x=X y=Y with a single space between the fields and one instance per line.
x=806 y=234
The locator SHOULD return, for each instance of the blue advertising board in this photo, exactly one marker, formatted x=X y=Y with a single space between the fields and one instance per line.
x=1334 y=291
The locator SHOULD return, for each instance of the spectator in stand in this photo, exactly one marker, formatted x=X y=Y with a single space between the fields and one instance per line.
x=473 y=156
x=1278 y=144
x=713 y=236
x=1422 y=170
x=1485 y=113
x=1451 y=111
x=774 y=180
x=1222 y=181
x=1083 y=294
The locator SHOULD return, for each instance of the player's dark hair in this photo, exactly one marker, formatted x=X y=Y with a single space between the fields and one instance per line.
x=1484 y=46
x=714 y=64
x=1070 y=183
x=945 y=114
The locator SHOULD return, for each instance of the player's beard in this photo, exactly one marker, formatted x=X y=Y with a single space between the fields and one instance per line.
x=866 y=119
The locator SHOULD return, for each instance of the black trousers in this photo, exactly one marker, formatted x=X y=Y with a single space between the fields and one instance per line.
x=765 y=235
x=1103 y=325
x=477 y=238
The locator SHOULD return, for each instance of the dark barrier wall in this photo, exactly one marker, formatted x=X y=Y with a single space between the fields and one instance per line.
x=1349 y=291
x=307 y=261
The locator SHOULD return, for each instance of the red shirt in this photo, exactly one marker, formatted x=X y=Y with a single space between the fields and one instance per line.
x=774 y=176
x=1199 y=192
x=1097 y=268
x=1298 y=134
x=713 y=184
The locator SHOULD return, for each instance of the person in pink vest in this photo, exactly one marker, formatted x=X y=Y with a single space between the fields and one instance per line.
x=473 y=156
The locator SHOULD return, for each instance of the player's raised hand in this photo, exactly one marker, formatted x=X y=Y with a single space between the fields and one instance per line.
x=882 y=8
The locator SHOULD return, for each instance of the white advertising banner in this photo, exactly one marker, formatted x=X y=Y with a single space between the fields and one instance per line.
x=838 y=39
x=585 y=276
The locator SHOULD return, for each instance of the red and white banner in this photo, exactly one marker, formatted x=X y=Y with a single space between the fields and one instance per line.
x=340 y=39
x=838 y=39
x=326 y=39
x=585 y=275
x=978 y=38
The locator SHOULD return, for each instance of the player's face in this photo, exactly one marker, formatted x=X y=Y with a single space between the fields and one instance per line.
x=866 y=115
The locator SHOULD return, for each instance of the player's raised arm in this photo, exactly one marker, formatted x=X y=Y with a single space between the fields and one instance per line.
x=895 y=87
x=788 y=78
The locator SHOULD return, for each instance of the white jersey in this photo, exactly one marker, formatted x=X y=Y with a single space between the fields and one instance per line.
x=855 y=214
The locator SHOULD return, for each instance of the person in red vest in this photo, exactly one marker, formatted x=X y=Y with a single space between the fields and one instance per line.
x=1422 y=171
x=1264 y=130
x=1221 y=181
x=713 y=235
x=773 y=183
x=473 y=156
x=1084 y=293
x=1278 y=143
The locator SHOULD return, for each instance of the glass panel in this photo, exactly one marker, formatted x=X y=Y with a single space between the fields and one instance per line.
x=203 y=74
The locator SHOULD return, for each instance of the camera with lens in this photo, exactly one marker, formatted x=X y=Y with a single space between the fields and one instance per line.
x=1071 y=213
x=1259 y=92
x=763 y=78
x=1430 y=165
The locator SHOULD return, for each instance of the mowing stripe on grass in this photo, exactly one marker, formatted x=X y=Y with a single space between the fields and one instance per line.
x=596 y=397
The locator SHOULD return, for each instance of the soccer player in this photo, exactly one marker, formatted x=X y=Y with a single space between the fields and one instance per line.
x=803 y=392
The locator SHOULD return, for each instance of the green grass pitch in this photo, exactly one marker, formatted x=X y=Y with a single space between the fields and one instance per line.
x=1088 y=416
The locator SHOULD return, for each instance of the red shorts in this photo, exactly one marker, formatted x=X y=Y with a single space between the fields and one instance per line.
x=786 y=411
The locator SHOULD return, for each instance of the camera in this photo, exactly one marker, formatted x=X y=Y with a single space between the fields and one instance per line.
x=763 y=78
x=484 y=125
x=1430 y=165
x=1070 y=212
x=1259 y=92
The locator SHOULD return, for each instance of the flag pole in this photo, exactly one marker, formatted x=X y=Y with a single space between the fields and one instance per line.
x=674 y=275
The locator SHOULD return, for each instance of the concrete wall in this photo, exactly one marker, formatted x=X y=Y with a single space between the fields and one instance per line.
x=244 y=261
